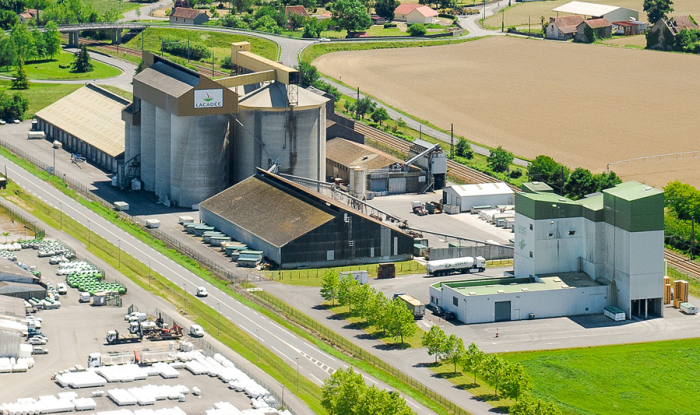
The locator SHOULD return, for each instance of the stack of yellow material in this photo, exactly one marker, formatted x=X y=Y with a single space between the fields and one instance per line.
x=667 y=293
x=680 y=293
x=667 y=280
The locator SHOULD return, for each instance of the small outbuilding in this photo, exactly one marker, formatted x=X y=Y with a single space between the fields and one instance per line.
x=590 y=30
x=563 y=28
x=661 y=36
x=182 y=15
x=414 y=13
x=629 y=28
x=296 y=227
x=87 y=122
x=597 y=11
x=468 y=196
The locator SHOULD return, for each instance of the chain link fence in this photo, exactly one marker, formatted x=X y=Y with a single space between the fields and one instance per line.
x=209 y=350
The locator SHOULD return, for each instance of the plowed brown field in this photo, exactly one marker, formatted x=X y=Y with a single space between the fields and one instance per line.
x=584 y=105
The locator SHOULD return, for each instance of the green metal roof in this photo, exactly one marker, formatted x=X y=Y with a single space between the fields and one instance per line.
x=593 y=208
x=536 y=187
x=546 y=206
x=494 y=286
x=633 y=191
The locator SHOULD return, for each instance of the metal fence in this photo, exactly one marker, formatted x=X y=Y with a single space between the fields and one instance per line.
x=9 y=210
x=268 y=300
x=209 y=350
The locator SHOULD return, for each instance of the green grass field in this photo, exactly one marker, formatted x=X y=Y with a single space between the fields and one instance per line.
x=465 y=380
x=220 y=42
x=646 y=378
x=50 y=70
x=122 y=93
x=40 y=95
x=313 y=277
x=312 y=52
x=102 y=6
x=360 y=323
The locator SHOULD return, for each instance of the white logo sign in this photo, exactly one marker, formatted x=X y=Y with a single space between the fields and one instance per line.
x=209 y=98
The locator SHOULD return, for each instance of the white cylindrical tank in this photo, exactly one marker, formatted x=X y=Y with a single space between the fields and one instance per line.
x=198 y=158
x=148 y=146
x=360 y=179
x=162 y=150
x=271 y=131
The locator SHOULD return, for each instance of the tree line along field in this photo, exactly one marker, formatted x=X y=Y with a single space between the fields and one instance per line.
x=518 y=15
x=584 y=105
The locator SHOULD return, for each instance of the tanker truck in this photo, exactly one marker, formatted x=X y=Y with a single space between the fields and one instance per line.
x=456 y=265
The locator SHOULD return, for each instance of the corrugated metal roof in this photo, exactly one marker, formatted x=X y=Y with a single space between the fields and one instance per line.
x=8 y=288
x=482 y=189
x=598 y=23
x=632 y=191
x=568 y=24
x=266 y=211
x=274 y=95
x=348 y=153
x=167 y=79
x=12 y=307
x=426 y=145
x=91 y=114
x=186 y=13
x=586 y=9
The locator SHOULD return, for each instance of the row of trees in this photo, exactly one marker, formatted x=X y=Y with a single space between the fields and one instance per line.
x=509 y=379
x=683 y=209
x=29 y=45
x=574 y=184
x=346 y=393
x=13 y=106
x=389 y=316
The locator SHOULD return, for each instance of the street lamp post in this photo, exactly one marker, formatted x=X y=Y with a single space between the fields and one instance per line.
x=218 y=321
x=185 y=295
x=258 y=333
x=89 y=233
x=119 y=241
x=149 y=273
x=297 y=375
x=61 y=207
x=54 y=160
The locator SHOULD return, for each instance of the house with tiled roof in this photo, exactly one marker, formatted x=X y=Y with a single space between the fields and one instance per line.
x=27 y=15
x=182 y=15
x=592 y=29
x=661 y=36
x=563 y=28
x=299 y=9
x=414 y=13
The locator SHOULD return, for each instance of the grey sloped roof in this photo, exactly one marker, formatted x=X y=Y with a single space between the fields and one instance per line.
x=167 y=79
x=266 y=211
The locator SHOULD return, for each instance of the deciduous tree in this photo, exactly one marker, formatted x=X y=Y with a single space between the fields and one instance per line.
x=453 y=350
x=385 y=8
x=580 y=183
x=499 y=160
x=342 y=391
x=517 y=382
x=380 y=115
x=309 y=74
x=21 y=81
x=473 y=360
x=545 y=169
x=657 y=9
x=329 y=285
x=434 y=340
x=495 y=369
x=463 y=149
x=52 y=39
x=400 y=320
x=364 y=106
x=351 y=15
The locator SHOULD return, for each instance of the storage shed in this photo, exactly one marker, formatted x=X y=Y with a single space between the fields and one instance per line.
x=297 y=227
x=590 y=30
x=183 y=15
x=21 y=290
x=563 y=28
x=88 y=122
x=595 y=10
x=477 y=195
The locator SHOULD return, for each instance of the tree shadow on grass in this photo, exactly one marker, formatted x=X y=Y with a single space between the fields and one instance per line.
x=320 y=307
x=427 y=364
x=447 y=375
x=392 y=346
x=467 y=386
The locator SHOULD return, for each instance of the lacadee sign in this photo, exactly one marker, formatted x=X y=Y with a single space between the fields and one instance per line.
x=209 y=98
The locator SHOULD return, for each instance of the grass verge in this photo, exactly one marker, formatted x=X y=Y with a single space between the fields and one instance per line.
x=50 y=70
x=644 y=378
x=40 y=95
x=123 y=56
x=314 y=276
x=122 y=93
x=465 y=381
x=312 y=52
x=343 y=312
x=232 y=336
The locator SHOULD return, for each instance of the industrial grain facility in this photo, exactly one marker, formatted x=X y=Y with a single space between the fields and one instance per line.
x=573 y=257
x=296 y=227
x=189 y=137
x=88 y=122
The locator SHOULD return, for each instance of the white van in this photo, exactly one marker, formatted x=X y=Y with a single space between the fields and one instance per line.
x=84 y=297
x=62 y=289
x=196 y=330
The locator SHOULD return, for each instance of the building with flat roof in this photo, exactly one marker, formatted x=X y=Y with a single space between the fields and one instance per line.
x=573 y=257
x=88 y=121
x=467 y=196
x=297 y=227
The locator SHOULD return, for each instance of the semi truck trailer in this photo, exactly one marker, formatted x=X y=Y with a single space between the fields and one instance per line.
x=456 y=265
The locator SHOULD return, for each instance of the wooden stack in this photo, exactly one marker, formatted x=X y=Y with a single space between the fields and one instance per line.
x=667 y=293
x=680 y=293
x=386 y=270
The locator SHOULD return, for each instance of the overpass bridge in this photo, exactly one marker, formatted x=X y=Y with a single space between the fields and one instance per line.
x=74 y=30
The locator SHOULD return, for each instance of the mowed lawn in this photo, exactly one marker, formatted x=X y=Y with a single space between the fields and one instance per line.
x=518 y=15
x=40 y=95
x=646 y=378
x=50 y=70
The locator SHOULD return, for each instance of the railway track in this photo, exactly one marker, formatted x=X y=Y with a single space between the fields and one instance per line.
x=460 y=171
x=682 y=263
x=136 y=52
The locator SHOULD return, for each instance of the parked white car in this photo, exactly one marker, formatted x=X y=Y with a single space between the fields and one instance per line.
x=40 y=350
x=37 y=341
x=16 y=121
x=202 y=292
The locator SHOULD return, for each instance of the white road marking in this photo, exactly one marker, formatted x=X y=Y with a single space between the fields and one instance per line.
x=278 y=351
x=317 y=379
x=369 y=379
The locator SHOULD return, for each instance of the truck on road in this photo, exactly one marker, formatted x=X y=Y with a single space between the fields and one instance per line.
x=416 y=306
x=113 y=337
x=456 y=265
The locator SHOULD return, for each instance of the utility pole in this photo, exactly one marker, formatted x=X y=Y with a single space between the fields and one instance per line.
x=503 y=21
x=420 y=131
x=185 y=295
x=297 y=375
x=149 y=273
x=258 y=333
x=212 y=62
x=119 y=241
x=358 y=99
x=692 y=238
x=452 y=141
x=528 y=25
x=188 y=48
x=89 y=234
x=484 y=9
x=218 y=321
x=61 y=206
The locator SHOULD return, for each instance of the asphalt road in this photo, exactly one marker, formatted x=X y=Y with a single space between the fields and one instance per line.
x=314 y=364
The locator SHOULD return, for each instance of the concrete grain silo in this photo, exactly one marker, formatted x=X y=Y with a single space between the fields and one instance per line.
x=271 y=131
x=148 y=145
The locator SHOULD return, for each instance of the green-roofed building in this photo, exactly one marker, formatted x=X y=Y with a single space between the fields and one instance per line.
x=573 y=257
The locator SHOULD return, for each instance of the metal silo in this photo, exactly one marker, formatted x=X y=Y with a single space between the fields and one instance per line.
x=148 y=146
x=198 y=158
x=269 y=131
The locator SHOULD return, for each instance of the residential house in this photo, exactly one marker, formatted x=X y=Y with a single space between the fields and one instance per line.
x=661 y=36
x=300 y=10
x=563 y=28
x=414 y=13
x=182 y=15
x=590 y=30
x=27 y=15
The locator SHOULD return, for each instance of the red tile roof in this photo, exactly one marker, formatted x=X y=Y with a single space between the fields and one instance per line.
x=598 y=23
x=296 y=10
x=427 y=11
x=406 y=8
x=185 y=13
x=568 y=24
